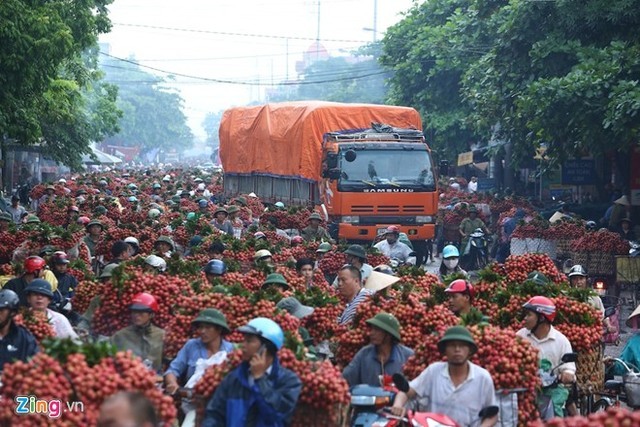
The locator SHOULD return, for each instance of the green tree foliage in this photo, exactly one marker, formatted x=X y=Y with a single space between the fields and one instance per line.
x=153 y=116
x=562 y=72
x=211 y=125
x=49 y=93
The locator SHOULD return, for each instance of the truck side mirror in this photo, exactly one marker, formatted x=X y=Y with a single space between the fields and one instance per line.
x=332 y=160
x=444 y=167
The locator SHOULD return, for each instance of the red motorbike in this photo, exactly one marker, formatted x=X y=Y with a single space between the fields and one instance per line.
x=425 y=419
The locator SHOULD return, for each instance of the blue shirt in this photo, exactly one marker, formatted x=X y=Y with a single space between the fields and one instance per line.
x=189 y=354
x=365 y=367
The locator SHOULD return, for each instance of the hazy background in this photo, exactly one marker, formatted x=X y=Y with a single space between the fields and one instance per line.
x=253 y=42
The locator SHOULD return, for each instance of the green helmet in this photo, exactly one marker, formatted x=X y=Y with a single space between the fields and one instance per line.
x=457 y=333
x=191 y=216
x=324 y=247
x=32 y=219
x=387 y=322
x=212 y=317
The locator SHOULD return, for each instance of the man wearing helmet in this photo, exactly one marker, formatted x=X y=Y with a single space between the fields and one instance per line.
x=460 y=294
x=210 y=347
x=94 y=235
x=314 y=232
x=67 y=283
x=259 y=392
x=578 y=279
x=551 y=344
x=214 y=269
x=34 y=267
x=384 y=356
x=457 y=388
x=154 y=264
x=39 y=296
x=470 y=224
x=16 y=342
x=142 y=337
x=394 y=249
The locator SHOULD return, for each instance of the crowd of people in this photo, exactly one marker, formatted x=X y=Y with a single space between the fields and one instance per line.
x=260 y=391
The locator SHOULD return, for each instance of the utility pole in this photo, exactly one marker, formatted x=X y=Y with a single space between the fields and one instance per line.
x=318 y=34
x=375 y=20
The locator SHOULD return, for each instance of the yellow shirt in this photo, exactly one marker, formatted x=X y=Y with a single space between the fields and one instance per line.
x=51 y=278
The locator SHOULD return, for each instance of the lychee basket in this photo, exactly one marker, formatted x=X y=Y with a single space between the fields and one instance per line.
x=590 y=370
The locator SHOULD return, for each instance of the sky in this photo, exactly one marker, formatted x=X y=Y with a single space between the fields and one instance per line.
x=253 y=42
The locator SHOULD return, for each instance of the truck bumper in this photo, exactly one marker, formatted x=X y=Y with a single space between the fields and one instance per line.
x=370 y=232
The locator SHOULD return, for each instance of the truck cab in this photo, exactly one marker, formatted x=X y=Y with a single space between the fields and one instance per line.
x=375 y=178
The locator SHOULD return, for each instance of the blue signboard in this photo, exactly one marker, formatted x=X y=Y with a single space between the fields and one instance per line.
x=578 y=172
x=486 y=184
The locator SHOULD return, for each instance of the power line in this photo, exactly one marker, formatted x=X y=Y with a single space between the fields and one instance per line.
x=225 y=33
x=245 y=83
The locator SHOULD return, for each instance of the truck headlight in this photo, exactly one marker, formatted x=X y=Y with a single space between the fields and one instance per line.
x=424 y=219
x=351 y=219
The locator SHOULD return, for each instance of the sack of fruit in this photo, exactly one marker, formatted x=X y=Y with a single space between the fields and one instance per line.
x=522 y=246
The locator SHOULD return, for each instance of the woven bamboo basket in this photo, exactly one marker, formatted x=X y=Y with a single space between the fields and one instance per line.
x=596 y=263
x=563 y=247
x=309 y=416
x=590 y=370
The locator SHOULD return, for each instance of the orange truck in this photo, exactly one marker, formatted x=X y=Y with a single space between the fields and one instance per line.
x=364 y=166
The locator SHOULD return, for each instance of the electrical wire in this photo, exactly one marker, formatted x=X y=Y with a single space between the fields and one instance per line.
x=225 y=33
x=337 y=75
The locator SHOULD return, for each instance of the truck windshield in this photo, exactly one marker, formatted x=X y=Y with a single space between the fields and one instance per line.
x=387 y=169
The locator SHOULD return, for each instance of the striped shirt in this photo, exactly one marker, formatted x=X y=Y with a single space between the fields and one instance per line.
x=350 y=310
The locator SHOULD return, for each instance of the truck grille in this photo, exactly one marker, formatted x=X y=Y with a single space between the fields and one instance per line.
x=382 y=209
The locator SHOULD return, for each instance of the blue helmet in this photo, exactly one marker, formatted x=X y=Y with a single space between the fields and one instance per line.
x=265 y=328
x=203 y=203
x=450 y=251
x=215 y=266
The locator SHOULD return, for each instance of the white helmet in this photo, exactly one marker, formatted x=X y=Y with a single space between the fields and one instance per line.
x=154 y=213
x=167 y=178
x=62 y=181
x=132 y=240
x=262 y=253
x=156 y=262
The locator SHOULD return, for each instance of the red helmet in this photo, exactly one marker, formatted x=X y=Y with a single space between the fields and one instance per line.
x=33 y=264
x=144 y=302
x=73 y=209
x=392 y=229
x=83 y=220
x=460 y=286
x=297 y=240
x=543 y=306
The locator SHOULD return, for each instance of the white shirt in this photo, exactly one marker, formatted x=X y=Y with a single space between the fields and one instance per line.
x=551 y=348
x=472 y=187
x=398 y=250
x=61 y=325
x=463 y=403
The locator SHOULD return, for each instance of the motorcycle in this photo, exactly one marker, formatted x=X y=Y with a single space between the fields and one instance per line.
x=425 y=419
x=368 y=401
x=550 y=381
x=476 y=255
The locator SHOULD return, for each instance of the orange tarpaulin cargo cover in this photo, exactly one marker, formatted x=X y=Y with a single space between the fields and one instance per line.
x=285 y=139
